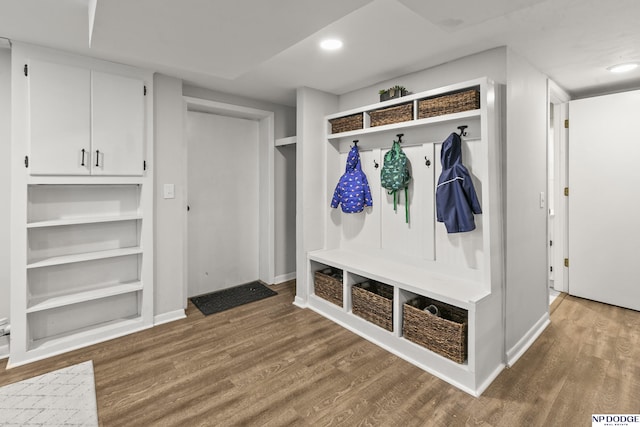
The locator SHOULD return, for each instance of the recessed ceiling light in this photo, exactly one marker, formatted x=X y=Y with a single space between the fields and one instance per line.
x=623 y=68
x=331 y=44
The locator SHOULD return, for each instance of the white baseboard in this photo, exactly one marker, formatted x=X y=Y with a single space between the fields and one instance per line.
x=515 y=352
x=284 y=278
x=299 y=302
x=168 y=317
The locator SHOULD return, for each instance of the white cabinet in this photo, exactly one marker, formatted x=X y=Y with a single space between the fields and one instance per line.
x=117 y=119
x=82 y=204
x=83 y=121
x=59 y=118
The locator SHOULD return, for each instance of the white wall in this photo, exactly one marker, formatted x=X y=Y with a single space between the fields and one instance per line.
x=169 y=168
x=312 y=199
x=5 y=176
x=285 y=211
x=525 y=221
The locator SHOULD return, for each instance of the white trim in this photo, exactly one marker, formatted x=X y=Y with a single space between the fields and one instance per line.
x=266 y=203
x=515 y=352
x=299 y=302
x=284 y=278
x=171 y=316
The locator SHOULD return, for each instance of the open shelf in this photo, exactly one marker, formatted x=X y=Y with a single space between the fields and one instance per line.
x=87 y=256
x=83 y=220
x=54 y=301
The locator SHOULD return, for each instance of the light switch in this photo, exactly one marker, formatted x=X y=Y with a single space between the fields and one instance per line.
x=169 y=191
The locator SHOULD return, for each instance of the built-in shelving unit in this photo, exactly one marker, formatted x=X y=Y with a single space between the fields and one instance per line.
x=82 y=206
x=420 y=259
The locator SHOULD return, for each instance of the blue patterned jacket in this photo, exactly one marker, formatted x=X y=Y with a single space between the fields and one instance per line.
x=353 y=190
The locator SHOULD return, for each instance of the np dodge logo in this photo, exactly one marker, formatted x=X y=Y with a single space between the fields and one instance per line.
x=615 y=420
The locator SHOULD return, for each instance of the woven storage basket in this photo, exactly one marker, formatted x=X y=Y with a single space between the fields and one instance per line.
x=373 y=301
x=445 y=334
x=328 y=285
x=395 y=114
x=449 y=103
x=346 y=123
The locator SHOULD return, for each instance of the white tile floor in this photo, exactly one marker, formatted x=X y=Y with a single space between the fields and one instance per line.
x=66 y=397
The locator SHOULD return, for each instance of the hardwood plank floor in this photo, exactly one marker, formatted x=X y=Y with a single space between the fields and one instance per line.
x=270 y=363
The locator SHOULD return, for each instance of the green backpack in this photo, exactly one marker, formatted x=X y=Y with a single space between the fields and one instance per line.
x=395 y=175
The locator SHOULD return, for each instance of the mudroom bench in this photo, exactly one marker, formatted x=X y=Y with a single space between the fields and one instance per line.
x=408 y=283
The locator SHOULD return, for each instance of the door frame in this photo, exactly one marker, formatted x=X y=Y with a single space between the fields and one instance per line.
x=560 y=100
x=266 y=186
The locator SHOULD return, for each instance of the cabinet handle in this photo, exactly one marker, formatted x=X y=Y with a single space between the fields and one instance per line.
x=82 y=163
x=97 y=158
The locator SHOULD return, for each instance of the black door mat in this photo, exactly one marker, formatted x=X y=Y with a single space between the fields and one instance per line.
x=218 y=301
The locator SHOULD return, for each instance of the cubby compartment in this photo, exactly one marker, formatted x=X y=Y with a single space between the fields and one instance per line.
x=59 y=285
x=54 y=242
x=50 y=326
x=437 y=326
x=52 y=204
x=373 y=301
x=328 y=284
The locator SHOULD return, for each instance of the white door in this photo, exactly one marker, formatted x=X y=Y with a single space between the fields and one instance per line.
x=59 y=124
x=604 y=202
x=117 y=125
x=223 y=202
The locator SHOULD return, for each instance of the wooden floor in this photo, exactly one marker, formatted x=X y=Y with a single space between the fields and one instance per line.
x=270 y=363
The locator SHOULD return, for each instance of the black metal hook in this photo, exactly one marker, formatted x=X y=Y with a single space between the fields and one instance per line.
x=355 y=142
x=375 y=164
x=400 y=135
x=462 y=130
x=427 y=161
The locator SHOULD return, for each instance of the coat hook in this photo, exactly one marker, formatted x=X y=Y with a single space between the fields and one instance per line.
x=427 y=161
x=375 y=164
x=355 y=142
x=400 y=135
x=462 y=129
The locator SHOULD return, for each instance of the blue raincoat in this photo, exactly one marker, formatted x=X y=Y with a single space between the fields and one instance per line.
x=456 y=199
x=353 y=190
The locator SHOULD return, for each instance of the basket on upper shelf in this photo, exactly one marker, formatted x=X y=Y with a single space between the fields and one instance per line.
x=445 y=333
x=373 y=301
x=449 y=103
x=389 y=115
x=346 y=123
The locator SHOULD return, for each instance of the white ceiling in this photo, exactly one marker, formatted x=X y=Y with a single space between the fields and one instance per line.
x=266 y=48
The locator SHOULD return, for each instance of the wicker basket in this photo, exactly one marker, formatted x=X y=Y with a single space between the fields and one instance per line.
x=346 y=123
x=449 y=103
x=328 y=285
x=395 y=114
x=445 y=334
x=373 y=301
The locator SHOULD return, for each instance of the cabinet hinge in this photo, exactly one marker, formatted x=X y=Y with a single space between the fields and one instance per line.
x=551 y=269
x=26 y=70
x=566 y=262
x=550 y=242
x=144 y=165
x=26 y=161
x=566 y=124
x=144 y=91
x=566 y=191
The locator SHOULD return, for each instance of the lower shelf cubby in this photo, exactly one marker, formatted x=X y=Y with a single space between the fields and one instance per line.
x=437 y=326
x=373 y=301
x=328 y=285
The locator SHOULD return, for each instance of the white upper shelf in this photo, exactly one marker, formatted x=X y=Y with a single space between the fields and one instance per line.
x=415 y=122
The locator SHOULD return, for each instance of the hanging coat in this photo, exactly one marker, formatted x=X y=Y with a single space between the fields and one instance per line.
x=352 y=191
x=456 y=199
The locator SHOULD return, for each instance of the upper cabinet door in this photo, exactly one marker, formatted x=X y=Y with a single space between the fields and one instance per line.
x=59 y=118
x=117 y=125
